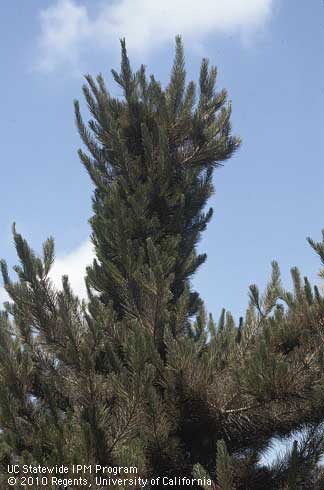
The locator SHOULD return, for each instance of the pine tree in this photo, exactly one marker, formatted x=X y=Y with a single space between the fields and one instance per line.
x=151 y=158
x=140 y=374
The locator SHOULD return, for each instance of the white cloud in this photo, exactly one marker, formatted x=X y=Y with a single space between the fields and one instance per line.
x=3 y=296
x=64 y=26
x=73 y=265
x=68 y=30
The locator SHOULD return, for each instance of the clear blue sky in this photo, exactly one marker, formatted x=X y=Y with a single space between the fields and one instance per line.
x=268 y=198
